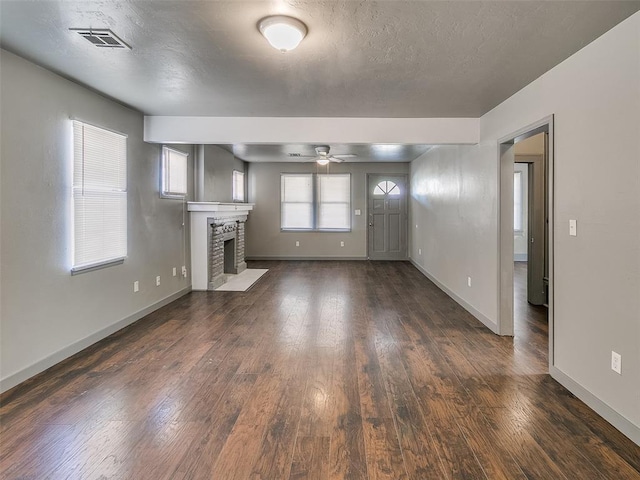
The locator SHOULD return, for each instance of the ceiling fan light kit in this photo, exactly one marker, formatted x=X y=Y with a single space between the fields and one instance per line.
x=283 y=33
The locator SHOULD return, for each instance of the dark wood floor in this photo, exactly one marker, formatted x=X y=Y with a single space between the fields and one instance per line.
x=341 y=370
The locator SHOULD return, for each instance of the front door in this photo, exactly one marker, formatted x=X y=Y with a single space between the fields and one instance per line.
x=387 y=217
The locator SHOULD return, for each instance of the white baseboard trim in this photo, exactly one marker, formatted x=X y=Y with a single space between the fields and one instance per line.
x=519 y=257
x=48 y=362
x=490 y=324
x=605 y=411
x=278 y=257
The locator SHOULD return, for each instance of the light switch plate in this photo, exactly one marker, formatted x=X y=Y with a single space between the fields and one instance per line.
x=573 y=228
x=358 y=211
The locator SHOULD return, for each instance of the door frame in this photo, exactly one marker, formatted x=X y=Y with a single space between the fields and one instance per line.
x=506 y=157
x=406 y=215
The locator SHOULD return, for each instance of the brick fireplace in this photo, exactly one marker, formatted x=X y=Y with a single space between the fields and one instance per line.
x=217 y=242
x=226 y=248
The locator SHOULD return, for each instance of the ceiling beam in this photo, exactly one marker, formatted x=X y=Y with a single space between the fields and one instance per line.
x=265 y=130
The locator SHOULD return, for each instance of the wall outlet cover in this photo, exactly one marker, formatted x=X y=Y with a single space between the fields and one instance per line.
x=616 y=362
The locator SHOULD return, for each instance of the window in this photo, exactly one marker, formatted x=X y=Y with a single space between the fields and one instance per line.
x=334 y=202
x=386 y=188
x=315 y=202
x=237 y=193
x=99 y=197
x=518 y=206
x=296 y=201
x=174 y=173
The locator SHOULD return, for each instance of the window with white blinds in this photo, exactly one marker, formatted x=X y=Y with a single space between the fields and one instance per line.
x=237 y=193
x=174 y=173
x=296 y=201
x=315 y=202
x=334 y=202
x=99 y=197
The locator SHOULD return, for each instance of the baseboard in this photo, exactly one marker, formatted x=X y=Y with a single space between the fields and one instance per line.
x=605 y=411
x=490 y=324
x=48 y=362
x=519 y=257
x=280 y=257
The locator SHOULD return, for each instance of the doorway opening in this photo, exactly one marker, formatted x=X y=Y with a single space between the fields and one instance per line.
x=525 y=256
x=530 y=242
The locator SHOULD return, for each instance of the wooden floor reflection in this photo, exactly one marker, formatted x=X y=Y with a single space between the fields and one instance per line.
x=322 y=370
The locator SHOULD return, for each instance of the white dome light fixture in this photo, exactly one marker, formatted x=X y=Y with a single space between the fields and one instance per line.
x=282 y=32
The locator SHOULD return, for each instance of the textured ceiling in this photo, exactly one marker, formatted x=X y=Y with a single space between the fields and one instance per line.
x=360 y=58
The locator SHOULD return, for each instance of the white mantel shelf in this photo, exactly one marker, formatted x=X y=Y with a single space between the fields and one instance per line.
x=201 y=212
x=219 y=207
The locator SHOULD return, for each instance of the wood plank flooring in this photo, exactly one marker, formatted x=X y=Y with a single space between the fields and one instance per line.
x=322 y=370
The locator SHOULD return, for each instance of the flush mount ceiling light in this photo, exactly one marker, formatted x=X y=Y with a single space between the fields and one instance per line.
x=283 y=33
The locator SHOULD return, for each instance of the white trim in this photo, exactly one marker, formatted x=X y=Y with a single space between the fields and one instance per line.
x=623 y=424
x=520 y=257
x=78 y=269
x=66 y=352
x=486 y=321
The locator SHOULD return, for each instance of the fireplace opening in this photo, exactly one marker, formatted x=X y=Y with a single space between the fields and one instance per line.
x=230 y=256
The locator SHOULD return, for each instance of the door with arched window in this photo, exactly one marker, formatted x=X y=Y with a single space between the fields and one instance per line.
x=387 y=217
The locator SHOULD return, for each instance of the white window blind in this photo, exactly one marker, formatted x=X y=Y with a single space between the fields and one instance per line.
x=174 y=173
x=238 y=186
x=296 y=195
x=99 y=196
x=517 y=202
x=334 y=202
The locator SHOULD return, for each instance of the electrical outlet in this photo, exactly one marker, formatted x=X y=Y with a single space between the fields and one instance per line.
x=342 y=244
x=174 y=271
x=468 y=281
x=158 y=281
x=297 y=243
x=184 y=271
x=136 y=286
x=616 y=362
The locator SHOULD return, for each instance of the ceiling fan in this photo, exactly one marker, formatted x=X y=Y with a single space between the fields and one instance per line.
x=323 y=157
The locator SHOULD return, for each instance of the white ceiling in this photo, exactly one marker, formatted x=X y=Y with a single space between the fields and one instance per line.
x=362 y=152
x=388 y=59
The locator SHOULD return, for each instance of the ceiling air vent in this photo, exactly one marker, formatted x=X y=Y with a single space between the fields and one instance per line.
x=295 y=154
x=101 y=37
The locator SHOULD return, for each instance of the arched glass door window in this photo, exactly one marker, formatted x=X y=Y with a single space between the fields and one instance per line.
x=386 y=188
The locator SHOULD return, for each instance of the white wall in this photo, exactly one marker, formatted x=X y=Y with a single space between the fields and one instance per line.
x=595 y=97
x=46 y=313
x=219 y=165
x=452 y=208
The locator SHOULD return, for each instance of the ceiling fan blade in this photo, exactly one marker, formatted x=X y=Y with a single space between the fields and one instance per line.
x=331 y=158
x=346 y=155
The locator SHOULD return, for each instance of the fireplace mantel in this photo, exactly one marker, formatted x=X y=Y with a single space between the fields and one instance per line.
x=219 y=207
x=202 y=215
